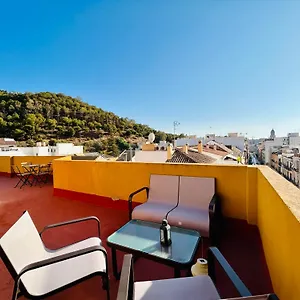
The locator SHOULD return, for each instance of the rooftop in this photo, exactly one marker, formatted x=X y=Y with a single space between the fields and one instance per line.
x=261 y=234
x=240 y=244
x=191 y=157
x=7 y=142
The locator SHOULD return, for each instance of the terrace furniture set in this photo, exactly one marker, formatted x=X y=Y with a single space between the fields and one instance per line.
x=32 y=174
x=191 y=207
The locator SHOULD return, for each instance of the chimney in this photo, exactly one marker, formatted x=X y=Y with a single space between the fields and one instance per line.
x=185 y=148
x=200 y=147
x=169 y=151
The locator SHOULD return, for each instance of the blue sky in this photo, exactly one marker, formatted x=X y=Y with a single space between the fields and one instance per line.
x=214 y=66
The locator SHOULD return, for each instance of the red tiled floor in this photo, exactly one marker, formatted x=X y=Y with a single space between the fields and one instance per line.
x=240 y=243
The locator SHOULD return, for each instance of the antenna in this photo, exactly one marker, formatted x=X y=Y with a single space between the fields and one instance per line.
x=175 y=124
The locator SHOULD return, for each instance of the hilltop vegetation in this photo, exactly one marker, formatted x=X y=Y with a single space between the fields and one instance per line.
x=45 y=116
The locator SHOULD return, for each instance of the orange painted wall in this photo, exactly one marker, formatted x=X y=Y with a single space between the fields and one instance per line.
x=256 y=194
x=118 y=179
x=5 y=165
x=278 y=216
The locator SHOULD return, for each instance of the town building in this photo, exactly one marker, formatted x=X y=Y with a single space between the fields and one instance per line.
x=231 y=140
x=286 y=162
x=6 y=144
x=41 y=149
x=212 y=152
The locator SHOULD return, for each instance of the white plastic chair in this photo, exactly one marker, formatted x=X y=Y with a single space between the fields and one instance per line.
x=39 y=272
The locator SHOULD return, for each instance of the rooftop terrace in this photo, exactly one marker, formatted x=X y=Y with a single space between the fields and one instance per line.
x=240 y=244
x=261 y=236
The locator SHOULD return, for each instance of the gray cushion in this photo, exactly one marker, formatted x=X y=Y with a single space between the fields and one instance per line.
x=153 y=212
x=187 y=288
x=190 y=218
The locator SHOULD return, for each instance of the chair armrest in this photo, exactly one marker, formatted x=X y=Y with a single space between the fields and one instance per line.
x=126 y=281
x=53 y=260
x=214 y=253
x=214 y=206
x=273 y=297
x=132 y=195
x=257 y=297
x=73 y=222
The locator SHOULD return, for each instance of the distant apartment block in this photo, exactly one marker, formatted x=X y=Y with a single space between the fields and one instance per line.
x=8 y=148
x=287 y=163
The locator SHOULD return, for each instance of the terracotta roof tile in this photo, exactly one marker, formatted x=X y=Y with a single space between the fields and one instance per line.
x=191 y=158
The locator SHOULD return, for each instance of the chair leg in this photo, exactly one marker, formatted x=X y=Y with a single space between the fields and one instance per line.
x=24 y=182
x=18 y=183
x=105 y=285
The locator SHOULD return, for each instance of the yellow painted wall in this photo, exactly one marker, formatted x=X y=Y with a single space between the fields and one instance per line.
x=119 y=179
x=256 y=194
x=17 y=160
x=278 y=218
x=148 y=147
x=5 y=164
x=251 y=194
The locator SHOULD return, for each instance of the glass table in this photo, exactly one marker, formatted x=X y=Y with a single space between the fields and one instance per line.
x=141 y=239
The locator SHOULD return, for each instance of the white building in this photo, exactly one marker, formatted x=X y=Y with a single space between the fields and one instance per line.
x=191 y=141
x=151 y=153
x=294 y=139
x=232 y=139
x=41 y=149
x=268 y=146
x=296 y=170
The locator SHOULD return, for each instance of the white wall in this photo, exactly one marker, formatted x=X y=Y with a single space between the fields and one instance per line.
x=271 y=145
x=238 y=142
x=190 y=141
x=294 y=141
x=77 y=149
x=68 y=148
x=150 y=156
x=62 y=149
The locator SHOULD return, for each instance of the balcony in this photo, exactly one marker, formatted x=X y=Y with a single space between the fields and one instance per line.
x=261 y=236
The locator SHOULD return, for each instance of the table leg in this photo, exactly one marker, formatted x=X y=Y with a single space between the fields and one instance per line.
x=177 y=272
x=115 y=263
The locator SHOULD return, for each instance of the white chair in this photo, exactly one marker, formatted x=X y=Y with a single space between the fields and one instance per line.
x=39 y=272
x=200 y=287
x=162 y=197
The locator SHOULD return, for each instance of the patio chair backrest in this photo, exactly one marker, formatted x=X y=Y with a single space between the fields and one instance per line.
x=164 y=189
x=22 y=244
x=15 y=169
x=196 y=192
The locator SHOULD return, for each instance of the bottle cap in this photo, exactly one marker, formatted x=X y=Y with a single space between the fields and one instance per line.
x=165 y=222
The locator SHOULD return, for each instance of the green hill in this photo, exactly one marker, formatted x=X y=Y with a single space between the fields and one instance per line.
x=45 y=116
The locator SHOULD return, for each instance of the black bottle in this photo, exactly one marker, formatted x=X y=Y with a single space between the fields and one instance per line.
x=165 y=233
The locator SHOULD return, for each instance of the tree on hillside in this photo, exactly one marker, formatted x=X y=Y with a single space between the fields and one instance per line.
x=112 y=148
x=44 y=116
x=160 y=136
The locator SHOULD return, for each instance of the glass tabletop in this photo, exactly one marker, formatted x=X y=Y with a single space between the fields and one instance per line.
x=144 y=237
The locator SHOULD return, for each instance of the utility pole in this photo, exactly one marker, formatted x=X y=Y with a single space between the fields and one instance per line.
x=175 y=124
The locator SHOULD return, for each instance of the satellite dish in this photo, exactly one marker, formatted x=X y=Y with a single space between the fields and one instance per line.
x=151 y=137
